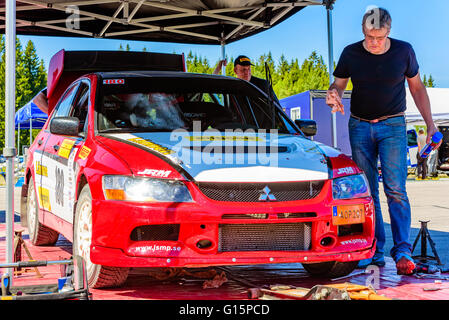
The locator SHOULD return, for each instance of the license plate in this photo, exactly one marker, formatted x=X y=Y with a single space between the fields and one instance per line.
x=351 y=214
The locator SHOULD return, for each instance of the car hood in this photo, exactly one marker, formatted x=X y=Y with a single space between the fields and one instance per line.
x=232 y=157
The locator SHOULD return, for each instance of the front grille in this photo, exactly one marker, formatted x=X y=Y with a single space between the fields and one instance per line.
x=293 y=215
x=156 y=232
x=252 y=192
x=265 y=237
x=246 y=216
x=296 y=215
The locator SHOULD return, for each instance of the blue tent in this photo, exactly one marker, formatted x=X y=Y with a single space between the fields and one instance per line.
x=28 y=112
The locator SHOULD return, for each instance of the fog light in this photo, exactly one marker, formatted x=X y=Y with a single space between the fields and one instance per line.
x=204 y=244
x=327 y=241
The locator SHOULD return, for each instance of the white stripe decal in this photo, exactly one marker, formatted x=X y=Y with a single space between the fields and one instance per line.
x=259 y=174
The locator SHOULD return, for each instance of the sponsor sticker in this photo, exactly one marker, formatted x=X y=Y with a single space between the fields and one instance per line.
x=346 y=170
x=84 y=152
x=151 y=145
x=114 y=81
x=223 y=138
x=66 y=147
x=354 y=241
x=40 y=169
x=155 y=173
x=44 y=195
x=158 y=248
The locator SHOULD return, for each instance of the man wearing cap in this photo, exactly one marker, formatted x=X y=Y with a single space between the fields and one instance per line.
x=242 y=69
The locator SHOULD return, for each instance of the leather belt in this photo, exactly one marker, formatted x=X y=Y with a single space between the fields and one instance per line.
x=400 y=114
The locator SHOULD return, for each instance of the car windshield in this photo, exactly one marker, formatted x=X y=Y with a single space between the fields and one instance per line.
x=194 y=104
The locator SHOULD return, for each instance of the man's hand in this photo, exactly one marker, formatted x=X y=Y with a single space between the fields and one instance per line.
x=220 y=65
x=223 y=63
x=333 y=100
x=430 y=132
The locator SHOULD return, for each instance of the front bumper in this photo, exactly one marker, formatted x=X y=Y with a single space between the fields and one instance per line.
x=203 y=220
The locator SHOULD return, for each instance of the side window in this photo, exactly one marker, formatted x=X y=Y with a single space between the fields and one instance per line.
x=81 y=104
x=64 y=105
x=411 y=138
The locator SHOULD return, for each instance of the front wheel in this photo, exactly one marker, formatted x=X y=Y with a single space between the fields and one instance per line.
x=331 y=269
x=98 y=276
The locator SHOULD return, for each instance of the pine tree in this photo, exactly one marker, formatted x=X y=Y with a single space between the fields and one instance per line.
x=431 y=82
x=31 y=77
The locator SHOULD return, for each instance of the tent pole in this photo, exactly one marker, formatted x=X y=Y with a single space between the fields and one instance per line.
x=31 y=129
x=18 y=138
x=223 y=56
x=9 y=151
x=330 y=43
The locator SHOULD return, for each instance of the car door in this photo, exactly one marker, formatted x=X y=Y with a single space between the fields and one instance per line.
x=57 y=159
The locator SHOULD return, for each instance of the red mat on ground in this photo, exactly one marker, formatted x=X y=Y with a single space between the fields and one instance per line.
x=188 y=284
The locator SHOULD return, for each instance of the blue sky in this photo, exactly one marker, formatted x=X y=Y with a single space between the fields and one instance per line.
x=425 y=24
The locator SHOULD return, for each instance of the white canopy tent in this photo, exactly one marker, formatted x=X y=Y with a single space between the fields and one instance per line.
x=216 y=22
x=439 y=102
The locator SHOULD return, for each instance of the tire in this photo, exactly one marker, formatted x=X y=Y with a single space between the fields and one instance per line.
x=98 y=276
x=40 y=235
x=331 y=269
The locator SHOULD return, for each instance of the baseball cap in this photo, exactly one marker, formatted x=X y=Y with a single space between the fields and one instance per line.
x=243 y=61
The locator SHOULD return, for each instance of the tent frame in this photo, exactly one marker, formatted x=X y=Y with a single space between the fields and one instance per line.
x=127 y=18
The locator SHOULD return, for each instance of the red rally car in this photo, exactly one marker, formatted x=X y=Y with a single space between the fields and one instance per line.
x=141 y=164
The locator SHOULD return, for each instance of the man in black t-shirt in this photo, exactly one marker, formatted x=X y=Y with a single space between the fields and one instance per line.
x=242 y=69
x=378 y=67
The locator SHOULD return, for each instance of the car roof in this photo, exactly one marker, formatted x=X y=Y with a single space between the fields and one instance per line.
x=163 y=74
x=196 y=80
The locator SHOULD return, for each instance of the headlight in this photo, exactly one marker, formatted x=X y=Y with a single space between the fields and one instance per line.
x=144 y=189
x=349 y=187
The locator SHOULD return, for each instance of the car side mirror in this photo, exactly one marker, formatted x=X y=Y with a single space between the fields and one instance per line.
x=66 y=126
x=308 y=127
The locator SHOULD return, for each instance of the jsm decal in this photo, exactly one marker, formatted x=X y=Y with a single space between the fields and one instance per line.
x=354 y=241
x=157 y=248
x=346 y=170
x=155 y=173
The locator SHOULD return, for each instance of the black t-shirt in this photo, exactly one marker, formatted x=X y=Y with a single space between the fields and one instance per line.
x=263 y=85
x=379 y=80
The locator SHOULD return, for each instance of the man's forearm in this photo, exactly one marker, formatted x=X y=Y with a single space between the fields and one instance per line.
x=422 y=102
x=336 y=87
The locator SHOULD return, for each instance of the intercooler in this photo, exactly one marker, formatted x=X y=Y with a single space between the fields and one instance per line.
x=265 y=237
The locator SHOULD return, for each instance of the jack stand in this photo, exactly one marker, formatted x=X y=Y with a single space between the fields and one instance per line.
x=18 y=244
x=425 y=235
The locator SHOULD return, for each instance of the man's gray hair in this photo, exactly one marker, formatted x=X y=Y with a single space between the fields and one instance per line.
x=376 y=18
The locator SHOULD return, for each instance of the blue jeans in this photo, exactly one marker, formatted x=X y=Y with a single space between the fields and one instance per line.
x=385 y=140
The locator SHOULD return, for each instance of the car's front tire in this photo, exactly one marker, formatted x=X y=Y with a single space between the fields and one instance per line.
x=40 y=235
x=330 y=269
x=98 y=276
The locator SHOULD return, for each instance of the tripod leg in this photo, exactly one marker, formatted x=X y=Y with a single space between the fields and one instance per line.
x=416 y=240
x=432 y=245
